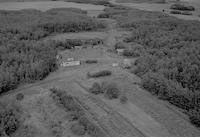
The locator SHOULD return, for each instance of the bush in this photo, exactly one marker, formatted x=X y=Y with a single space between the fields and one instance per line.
x=103 y=15
x=67 y=101
x=91 y=61
x=112 y=91
x=90 y=127
x=175 y=12
x=194 y=116
x=20 y=96
x=78 y=129
x=186 y=13
x=123 y=99
x=9 y=119
x=96 y=88
x=131 y=53
x=182 y=7
x=120 y=45
x=101 y=73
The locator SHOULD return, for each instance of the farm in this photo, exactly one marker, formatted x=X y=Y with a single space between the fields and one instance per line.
x=109 y=71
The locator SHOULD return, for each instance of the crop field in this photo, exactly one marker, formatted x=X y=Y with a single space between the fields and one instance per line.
x=98 y=69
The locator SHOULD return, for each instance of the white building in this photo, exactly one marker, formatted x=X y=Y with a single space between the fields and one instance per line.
x=70 y=63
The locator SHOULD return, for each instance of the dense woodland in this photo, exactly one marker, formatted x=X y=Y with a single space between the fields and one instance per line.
x=24 y=57
x=169 y=57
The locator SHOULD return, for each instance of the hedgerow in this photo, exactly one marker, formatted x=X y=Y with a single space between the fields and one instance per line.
x=82 y=123
x=96 y=88
x=101 y=73
x=10 y=119
x=183 y=7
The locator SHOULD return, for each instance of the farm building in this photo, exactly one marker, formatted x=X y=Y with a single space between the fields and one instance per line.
x=70 y=63
x=120 y=51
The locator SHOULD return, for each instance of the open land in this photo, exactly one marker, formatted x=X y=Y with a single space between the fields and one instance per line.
x=41 y=98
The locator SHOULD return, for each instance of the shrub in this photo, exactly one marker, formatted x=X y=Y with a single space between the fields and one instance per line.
x=9 y=119
x=78 y=129
x=103 y=15
x=90 y=127
x=123 y=99
x=182 y=7
x=194 y=116
x=120 y=45
x=131 y=53
x=186 y=13
x=101 y=73
x=96 y=88
x=91 y=61
x=67 y=101
x=20 y=96
x=175 y=12
x=112 y=91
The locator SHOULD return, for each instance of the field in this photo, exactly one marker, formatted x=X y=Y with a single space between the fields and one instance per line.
x=149 y=90
x=141 y=1
x=46 y=5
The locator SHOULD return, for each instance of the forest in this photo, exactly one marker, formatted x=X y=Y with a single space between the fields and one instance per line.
x=169 y=58
x=24 y=56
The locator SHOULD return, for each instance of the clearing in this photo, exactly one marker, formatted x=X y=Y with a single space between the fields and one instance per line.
x=142 y=116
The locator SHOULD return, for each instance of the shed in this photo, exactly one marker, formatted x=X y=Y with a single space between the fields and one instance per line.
x=120 y=51
x=70 y=63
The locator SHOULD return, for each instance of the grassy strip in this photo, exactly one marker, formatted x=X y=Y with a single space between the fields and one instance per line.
x=101 y=73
